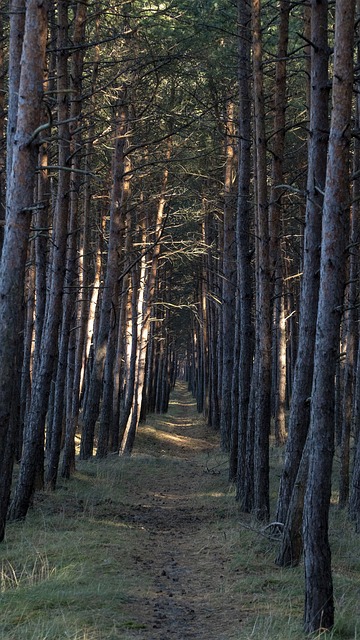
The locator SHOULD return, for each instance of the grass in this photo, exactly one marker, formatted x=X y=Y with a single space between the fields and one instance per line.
x=60 y=575
x=71 y=570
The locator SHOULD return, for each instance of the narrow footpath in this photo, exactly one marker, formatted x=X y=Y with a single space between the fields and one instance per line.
x=182 y=512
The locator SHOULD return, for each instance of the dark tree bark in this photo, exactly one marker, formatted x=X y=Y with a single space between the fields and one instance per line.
x=291 y=547
x=144 y=315
x=17 y=26
x=244 y=253
x=228 y=280
x=354 y=500
x=107 y=415
x=42 y=224
x=21 y=181
x=299 y=408
x=112 y=273
x=210 y=236
x=276 y=224
x=3 y=109
x=69 y=297
x=351 y=399
x=25 y=387
x=118 y=370
x=263 y=306
x=33 y=449
x=350 y=322
x=319 y=602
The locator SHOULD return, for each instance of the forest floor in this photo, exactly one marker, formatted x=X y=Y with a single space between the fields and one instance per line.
x=182 y=552
x=153 y=547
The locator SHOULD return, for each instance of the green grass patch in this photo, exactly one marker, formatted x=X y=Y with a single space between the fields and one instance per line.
x=67 y=571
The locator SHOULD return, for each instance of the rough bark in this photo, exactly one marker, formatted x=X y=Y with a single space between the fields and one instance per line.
x=144 y=316
x=319 y=601
x=109 y=422
x=21 y=172
x=354 y=500
x=69 y=297
x=112 y=273
x=229 y=280
x=275 y=223
x=3 y=109
x=33 y=449
x=244 y=253
x=299 y=408
x=263 y=310
x=351 y=399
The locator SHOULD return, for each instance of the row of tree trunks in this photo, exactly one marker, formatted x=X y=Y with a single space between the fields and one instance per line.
x=32 y=461
x=79 y=338
x=146 y=288
x=116 y=229
x=70 y=295
x=309 y=386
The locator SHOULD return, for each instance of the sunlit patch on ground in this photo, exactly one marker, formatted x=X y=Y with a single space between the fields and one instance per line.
x=184 y=442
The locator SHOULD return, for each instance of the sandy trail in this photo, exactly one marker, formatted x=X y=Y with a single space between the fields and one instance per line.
x=182 y=553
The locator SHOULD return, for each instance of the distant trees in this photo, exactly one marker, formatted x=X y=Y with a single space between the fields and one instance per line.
x=97 y=340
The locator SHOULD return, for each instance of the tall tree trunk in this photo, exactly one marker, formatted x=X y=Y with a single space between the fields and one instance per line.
x=275 y=222
x=106 y=413
x=229 y=279
x=27 y=342
x=33 y=450
x=17 y=26
x=118 y=369
x=351 y=399
x=299 y=408
x=319 y=603
x=69 y=297
x=112 y=273
x=213 y=418
x=244 y=253
x=3 y=108
x=21 y=171
x=84 y=300
x=144 y=314
x=41 y=247
x=263 y=311
x=354 y=501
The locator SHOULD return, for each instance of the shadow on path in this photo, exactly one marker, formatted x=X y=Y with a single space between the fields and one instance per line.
x=182 y=510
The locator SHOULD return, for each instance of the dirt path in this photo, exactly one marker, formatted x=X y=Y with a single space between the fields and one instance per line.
x=182 y=553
